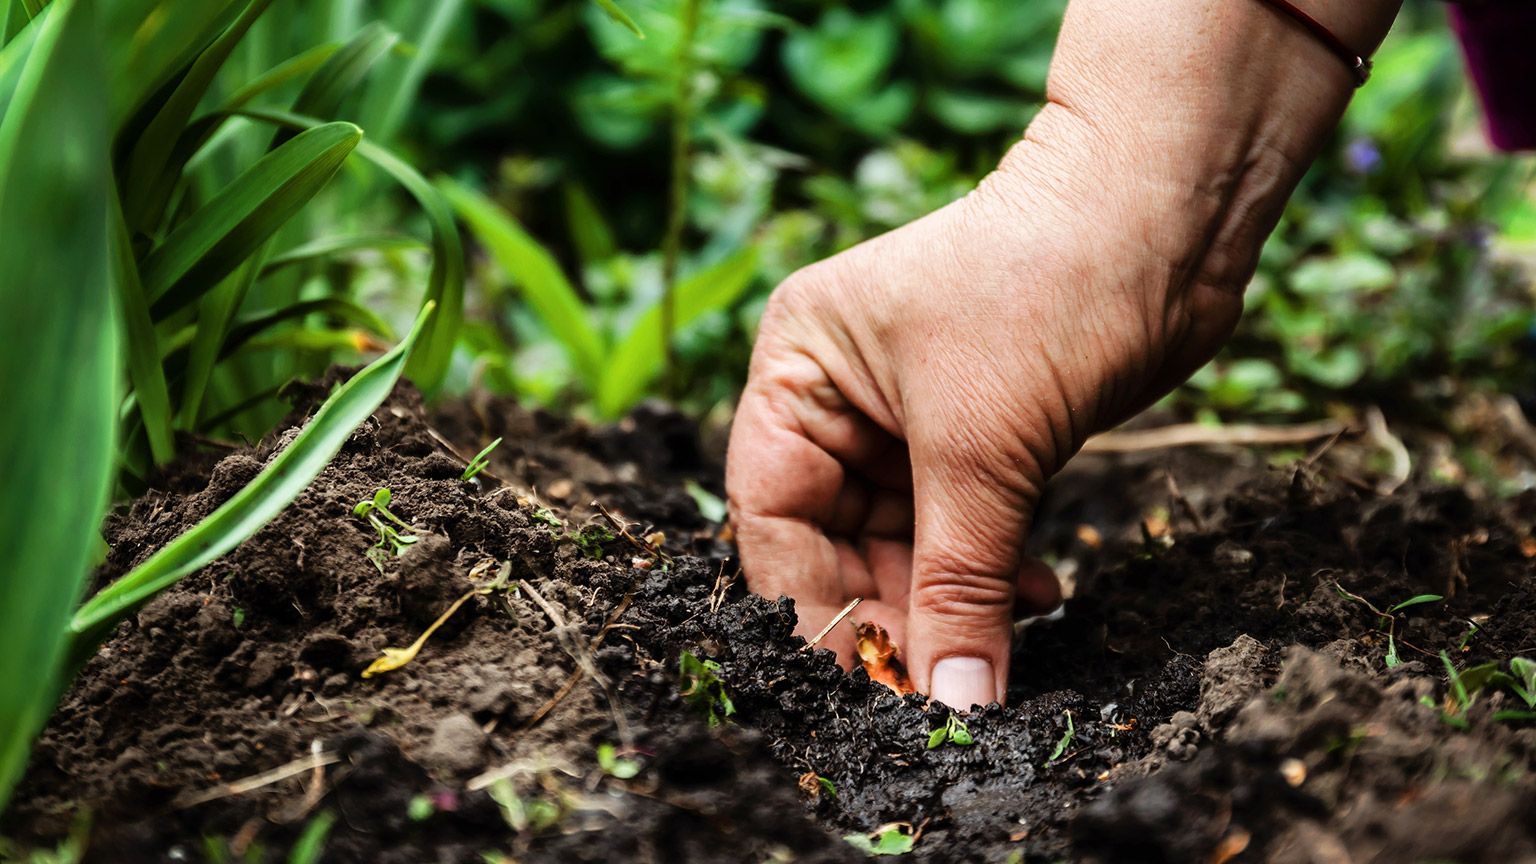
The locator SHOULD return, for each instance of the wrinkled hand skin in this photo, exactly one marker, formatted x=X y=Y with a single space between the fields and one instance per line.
x=908 y=398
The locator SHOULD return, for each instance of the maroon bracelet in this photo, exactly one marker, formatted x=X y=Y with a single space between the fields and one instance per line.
x=1358 y=66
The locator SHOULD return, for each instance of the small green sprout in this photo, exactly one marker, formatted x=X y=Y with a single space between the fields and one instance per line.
x=477 y=464
x=892 y=839
x=532 y=816
x=608 y=760
x=1462 y=645
x=555 y=525
x=392 y=543
x=703 y=689
x=952 y=732
x=709 y=504
x=420 y=808
x=311 y=843
x=1064 y=743
x=237 y=617
x=827 y=786
x=1387 y=620
x=591 y=539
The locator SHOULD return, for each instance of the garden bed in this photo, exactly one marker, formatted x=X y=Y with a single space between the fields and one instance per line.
x=1226 y=701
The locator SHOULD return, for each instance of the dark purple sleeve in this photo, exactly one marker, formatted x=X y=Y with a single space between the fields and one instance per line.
x=1498 y=38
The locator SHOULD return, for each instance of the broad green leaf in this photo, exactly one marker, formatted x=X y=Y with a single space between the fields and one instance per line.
x=151 y=394
x=637 y=360
x=152 y=151
x=548 y=292
x=328 y=247
x=286 y=476
x=59 y=341
x=445 y=286
x=213 y=241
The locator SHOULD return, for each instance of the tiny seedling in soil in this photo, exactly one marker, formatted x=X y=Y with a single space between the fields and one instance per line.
x=550 y=519
x=1065 y=742
x=952 y=732
x=477 y=464
x=892 y=839
x=703 y=689
x=608 y=760
x=1387 y=620
x=311 y=843
x=237 y=617
x=591 y=539
x=420 y=809
x=392 y=543
x=535 y=815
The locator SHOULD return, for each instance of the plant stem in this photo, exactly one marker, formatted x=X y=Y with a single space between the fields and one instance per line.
x=677 y=212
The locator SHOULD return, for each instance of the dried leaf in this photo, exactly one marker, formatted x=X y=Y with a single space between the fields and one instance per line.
x=881 y=658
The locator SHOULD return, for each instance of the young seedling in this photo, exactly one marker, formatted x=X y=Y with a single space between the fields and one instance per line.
x=896 y=838
x=952 y=732
x=608 y=760
x=703 y=689
x=477 y=464
x=392 y=543
x=1064 y=743
x=1387 y=620
x=533 y=816
x=591 y=539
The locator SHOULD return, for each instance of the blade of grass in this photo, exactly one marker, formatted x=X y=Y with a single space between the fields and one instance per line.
x=390 y=98
x=215 y=310
x=59 y=339
x=445 y=285
x=545 y=287
x=590 y=232
x=14 y=58
x=150 y=158
x=343 y=73
x=213 y=241
x=638 y=359
x=151 y=394
x=151 y=41
x=327 y=247
x=339 y=307
x=286 y=476
x=620 y=16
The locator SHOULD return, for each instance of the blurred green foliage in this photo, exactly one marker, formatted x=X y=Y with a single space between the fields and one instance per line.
x=812 y=126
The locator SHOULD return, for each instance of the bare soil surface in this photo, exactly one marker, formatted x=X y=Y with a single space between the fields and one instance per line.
x=1226 y=702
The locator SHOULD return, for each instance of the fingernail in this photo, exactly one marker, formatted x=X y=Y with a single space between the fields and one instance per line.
x=961 y=682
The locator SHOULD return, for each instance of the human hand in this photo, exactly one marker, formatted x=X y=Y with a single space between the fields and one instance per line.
x=909 y=398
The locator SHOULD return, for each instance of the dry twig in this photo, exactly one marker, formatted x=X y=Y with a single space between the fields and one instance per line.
x=1197 y=434
x=830 y=624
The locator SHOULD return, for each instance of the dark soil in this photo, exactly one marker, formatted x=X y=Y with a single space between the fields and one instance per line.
x=1226 y=702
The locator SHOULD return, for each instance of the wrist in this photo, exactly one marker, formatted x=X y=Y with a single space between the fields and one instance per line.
x=1189 y=123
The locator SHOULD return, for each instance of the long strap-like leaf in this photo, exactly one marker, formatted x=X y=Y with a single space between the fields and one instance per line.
x=284 y=479
x=445 y=286
x=538 y=276
x=214 y=240
x=59 y=347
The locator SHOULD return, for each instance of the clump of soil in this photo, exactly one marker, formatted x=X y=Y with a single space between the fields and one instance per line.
x=1213 y=699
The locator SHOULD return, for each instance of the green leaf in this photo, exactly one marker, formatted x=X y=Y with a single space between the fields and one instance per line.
x=340 y=307
x=215 y=311
x=637 y=360
x=150 y=42
x=620 y=16
x=59 y=341
x=1414 y=601
x=341 y=244
x=152 y=395
x=937 y=737
x=213 y=241
x=891 y=841
x=292 y=69
x=1353 y=272
x=286 y=476
x=590 y=232
x=390 y=97
x=311 y=843
x=445 y=286
x=154 y=147
x=344 y=71
x=534 y=269
x=14 y=58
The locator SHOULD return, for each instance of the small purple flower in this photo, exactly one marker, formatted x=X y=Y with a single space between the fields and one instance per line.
x=1362 y=157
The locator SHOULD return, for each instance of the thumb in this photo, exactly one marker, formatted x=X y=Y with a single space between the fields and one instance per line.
x=967 y=570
